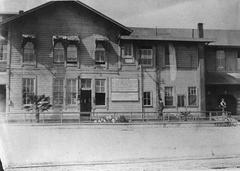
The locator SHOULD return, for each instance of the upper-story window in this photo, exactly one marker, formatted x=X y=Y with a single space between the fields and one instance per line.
x=220 y=60
x=186 y=56
x=100 y=54
x=28 y=53
x=127 y=53
x=65 y=49
x=72 y=53
x=3 y=52
x=146 y=56
x=238 y=60
x=58 y=54
x=166 y=55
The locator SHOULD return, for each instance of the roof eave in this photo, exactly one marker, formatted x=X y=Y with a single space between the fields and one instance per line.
x=167 y=39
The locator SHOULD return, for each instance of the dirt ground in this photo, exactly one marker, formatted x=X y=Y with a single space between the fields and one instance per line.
x=132 y=147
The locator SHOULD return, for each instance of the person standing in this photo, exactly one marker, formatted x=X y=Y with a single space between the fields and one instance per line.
x=161 y=107
x=223 y=105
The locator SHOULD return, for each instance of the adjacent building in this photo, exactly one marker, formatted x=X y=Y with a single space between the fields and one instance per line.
x=87 y=62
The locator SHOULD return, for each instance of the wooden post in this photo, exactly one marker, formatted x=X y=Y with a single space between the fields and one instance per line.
x=202 y=77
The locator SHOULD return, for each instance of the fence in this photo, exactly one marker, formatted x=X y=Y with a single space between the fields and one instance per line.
x=89 y=117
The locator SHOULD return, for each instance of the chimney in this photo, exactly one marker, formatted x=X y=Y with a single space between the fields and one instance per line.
x=20 y=12
x=200 y=30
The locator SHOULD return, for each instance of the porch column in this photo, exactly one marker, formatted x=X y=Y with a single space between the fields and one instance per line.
x=202 y=77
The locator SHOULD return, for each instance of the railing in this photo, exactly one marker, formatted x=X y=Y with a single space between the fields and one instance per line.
x=89 y=117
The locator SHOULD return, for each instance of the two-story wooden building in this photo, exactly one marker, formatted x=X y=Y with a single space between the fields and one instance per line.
x=86 y=61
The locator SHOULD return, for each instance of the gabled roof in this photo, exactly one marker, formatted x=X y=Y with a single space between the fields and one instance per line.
x=128 y=30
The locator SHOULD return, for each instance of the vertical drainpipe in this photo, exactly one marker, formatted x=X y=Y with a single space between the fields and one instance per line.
x=9 y=64
x=201 y=68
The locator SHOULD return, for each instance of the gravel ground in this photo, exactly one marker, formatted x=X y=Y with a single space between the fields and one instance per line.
x=132 y=147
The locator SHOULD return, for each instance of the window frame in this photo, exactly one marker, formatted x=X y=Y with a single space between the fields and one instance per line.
x=3 y=52
x=86 y=87
x=101 y=62
x=64 y=53
x=166 y=55
x=33 y=61
x=220 y=60
x=72 y=90
x=150 y=98
x=54 y=91
x=196 y=96
x=33 y=89
x=127 y=57
x=146 y=56
x=105 y=92
x=165 y=96
x=67 y=52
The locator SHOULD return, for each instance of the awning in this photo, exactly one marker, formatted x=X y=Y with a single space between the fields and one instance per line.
x=28 y=36
x=222 y=78
x=69 y=38
x=100 y=38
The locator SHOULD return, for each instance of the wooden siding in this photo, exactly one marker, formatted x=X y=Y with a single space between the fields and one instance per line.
x=230 y=60
x=187 y=56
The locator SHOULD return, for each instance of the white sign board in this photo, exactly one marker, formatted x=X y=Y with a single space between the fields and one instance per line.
x=125 y=96
x=124 y=85
x=124 y=89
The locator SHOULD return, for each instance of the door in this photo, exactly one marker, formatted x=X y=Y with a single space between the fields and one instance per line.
x=85 y=101
x=2 y=98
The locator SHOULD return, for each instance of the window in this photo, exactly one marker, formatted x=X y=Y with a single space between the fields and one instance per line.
x=220 y=56
x=100 y=53
x=168 y=96
x=146 y=57
x=238 y=59
x=3 y=52
x=86 y=84
x=127 y=54
x=147 y=99
x=58 y=54
x=28 y=90
x=72 y=53
x=192 y=96
x=187 y=56
x=100 y=92
x=71 y=92
x=166 y=56
x=58 y=91
x=181 y=101
x=28 y=53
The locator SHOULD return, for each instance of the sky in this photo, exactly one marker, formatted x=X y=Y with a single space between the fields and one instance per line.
x=215 y=14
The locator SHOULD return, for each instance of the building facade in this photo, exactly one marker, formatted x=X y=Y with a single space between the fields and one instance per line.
x=87 y=62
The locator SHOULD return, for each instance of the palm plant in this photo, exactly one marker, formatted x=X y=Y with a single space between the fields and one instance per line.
x=39 y=103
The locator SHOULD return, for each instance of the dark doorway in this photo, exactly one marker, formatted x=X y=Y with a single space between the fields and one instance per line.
x=230 y=101
x=2 y=98
x=85 y=101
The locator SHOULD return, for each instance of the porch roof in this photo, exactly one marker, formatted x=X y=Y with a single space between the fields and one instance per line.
x=222 y=78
